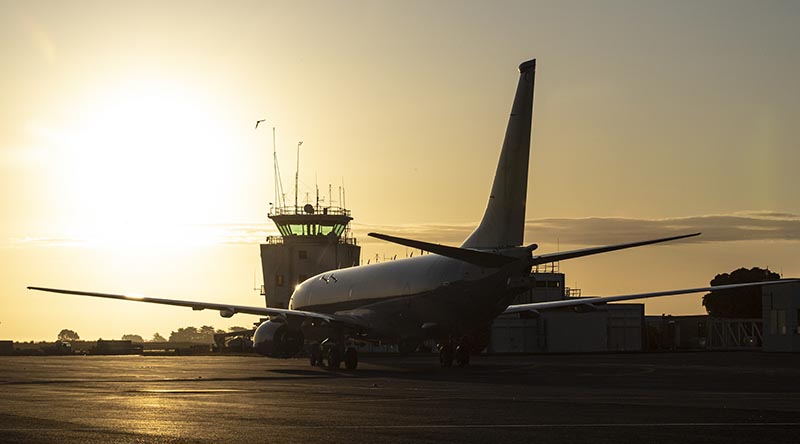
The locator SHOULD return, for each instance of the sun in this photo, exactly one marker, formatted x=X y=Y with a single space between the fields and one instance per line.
x=145 y=157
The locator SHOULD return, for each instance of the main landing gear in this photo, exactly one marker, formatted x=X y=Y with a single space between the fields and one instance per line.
x=330 y=355
x=450 y=352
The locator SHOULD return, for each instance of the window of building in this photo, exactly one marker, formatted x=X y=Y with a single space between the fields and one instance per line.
x=782 y=321
x=773 y=322
x=279 y=280
x=797 y=319
x=302 y=254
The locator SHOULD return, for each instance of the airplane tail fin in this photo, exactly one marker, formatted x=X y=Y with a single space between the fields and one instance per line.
x=503 y=222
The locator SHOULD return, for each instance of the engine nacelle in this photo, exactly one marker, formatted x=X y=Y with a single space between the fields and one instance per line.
x=227 y=313
x=276 y=340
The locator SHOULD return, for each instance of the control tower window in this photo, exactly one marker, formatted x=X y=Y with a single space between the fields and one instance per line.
x=302 y=254
x=317 y=229
x=279 y=280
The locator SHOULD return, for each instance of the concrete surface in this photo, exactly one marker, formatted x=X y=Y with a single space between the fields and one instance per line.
x=618 y=398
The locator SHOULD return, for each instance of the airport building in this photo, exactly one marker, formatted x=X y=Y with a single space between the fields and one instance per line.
x=313 y=239
x=780 y=305
x=777 y=330
x=702 y=332
x=613 y=327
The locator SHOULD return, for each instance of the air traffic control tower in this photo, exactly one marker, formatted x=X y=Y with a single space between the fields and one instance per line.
x=313 y=239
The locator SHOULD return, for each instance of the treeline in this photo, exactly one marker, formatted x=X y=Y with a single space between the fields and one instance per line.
x=202 y=335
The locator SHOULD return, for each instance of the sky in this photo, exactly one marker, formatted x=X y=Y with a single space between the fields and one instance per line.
x=129 y=161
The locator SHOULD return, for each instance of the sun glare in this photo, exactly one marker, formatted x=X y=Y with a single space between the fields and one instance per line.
x=144 y=159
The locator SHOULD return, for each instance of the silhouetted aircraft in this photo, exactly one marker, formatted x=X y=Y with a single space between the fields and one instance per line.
x=451 y=295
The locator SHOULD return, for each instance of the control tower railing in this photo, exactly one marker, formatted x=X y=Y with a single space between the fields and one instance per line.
x=308 y=209
x=279 y=240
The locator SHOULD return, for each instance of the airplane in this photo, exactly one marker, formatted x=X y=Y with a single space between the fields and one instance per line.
x=450 y=295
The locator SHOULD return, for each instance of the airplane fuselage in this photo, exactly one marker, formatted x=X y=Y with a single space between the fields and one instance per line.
x=422 y=297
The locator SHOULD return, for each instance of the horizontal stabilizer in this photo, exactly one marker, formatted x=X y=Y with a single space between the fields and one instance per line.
x=555 y=257
x=594 y=301
x=475 y=257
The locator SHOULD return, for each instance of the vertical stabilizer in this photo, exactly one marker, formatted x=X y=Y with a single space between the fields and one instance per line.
x=503 y=222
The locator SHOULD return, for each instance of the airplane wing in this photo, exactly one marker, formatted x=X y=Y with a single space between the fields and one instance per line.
x=555 y=257
x=226 y=310
x=592 y=302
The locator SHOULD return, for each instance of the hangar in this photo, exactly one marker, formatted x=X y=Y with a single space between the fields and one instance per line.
x=780 y=305
x=613 y=327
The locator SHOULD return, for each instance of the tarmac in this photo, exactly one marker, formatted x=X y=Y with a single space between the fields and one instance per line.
x=709 y=397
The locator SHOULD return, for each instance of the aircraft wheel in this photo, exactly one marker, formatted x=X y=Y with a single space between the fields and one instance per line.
x=446 y=356
x=462 y=356
x=314 y=356
x=334 y=359
x=351 y=358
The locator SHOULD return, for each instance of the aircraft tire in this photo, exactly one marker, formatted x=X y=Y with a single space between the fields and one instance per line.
x=334 y=360
x=462 y=356
x=351 y=359
x=314 y=357
x=446 y=356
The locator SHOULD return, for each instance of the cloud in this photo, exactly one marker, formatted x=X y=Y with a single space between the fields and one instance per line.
x=744 y=226
x=188 y=235
x=44 y=241
x=437 y=233
x=715 y=228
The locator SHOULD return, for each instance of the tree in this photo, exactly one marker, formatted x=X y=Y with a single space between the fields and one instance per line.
x=237 y=328
x=203 y=335
x=157 y=338
x=737 y=302
x=68 y=336
x=132 y=338
x=188 y=334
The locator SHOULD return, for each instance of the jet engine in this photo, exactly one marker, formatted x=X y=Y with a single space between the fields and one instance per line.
x=275 y=338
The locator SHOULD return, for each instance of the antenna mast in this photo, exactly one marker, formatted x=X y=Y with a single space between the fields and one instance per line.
x=297 y=175
x=279 y=196
x=344 y=196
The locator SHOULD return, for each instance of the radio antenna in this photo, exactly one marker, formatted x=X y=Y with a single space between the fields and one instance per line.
x=297 y=176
